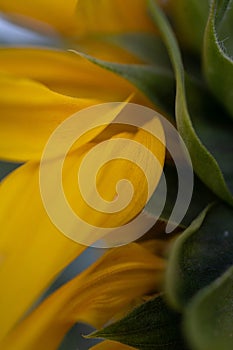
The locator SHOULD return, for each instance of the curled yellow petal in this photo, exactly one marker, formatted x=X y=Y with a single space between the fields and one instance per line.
x=29 y=114
x=36 y=95
x=94 y=296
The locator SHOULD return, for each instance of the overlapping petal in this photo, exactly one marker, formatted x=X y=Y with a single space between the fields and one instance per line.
x=94 y=296
x=39 y=89
x=29 y=114
x=112 y=172
x=59 y=84
x=63 y=72
x=30 y=240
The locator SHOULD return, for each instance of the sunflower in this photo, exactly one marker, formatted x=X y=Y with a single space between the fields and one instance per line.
x=164 y=291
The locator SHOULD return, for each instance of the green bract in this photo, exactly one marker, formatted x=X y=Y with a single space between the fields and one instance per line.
x=150 y=326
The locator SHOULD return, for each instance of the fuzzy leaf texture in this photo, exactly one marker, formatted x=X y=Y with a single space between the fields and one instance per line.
x=150 y=326
x=218 y=52
x=204 y=162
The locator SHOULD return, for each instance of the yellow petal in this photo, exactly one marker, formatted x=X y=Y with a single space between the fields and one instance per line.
x=29 y=114
x=36 y=233
x=30 y=111
x=108 y=175
x=94 y=296
x=32 y=250
x=111 y=345
x=157 y=246
x=82 y=16
x=56 y=13
x=65 y=72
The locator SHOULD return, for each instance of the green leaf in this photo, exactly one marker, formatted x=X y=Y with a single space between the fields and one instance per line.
x=203 y=161
x=150 y=326
x=218 y=51
x=146 y=78
x=213 y=131
x=209 y=317
x=200 y=255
